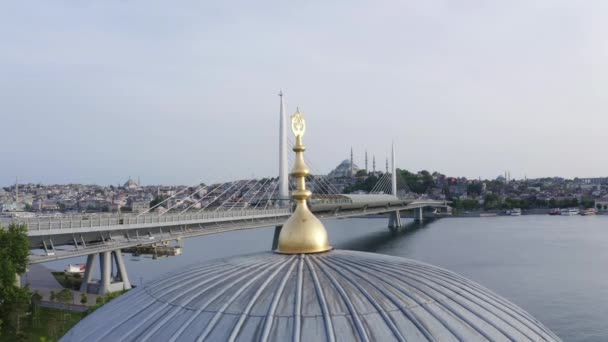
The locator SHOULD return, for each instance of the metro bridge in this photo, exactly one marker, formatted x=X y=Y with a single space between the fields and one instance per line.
x=103 y=236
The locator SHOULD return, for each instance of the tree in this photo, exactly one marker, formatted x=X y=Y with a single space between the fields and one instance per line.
x=419 y=183
x=36 y=297
x=365 y=184
x=553 y=203
x=65 y=296
x=83 y=298
x=14 y=250
x=474 y=188
x=361 y=173
x=587 y=203
x=491 y=202
x=157 y=200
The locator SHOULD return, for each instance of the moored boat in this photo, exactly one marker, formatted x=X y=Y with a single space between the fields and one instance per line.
x=514 y=212
x=77 y=268
x=554 y=211
x=589 y=211
x=569 y=211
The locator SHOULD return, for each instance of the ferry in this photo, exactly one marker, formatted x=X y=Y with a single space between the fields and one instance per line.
x=77 y=268
x=514 y=212
x=589 y=211
x=569 y=212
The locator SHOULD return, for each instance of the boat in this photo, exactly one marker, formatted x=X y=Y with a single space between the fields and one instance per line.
x=514 y=212
x=554 y=211
x=569 y=211
x=589 y=211
x=76 y=269
x=487 y=214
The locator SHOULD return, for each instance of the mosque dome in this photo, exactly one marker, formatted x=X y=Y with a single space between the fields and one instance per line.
x=337 y=295
x=344 y=170
x=131 y=184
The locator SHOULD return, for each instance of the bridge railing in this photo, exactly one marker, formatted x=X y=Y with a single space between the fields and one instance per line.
x=113 y=221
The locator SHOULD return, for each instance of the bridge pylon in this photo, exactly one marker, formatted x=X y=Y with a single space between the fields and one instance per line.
x=419 y=215
x=108 y=282
x=394 y=221
x=283 y=172
x=393 y=172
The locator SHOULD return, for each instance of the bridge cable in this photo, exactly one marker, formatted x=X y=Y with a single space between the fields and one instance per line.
x=273 y=181
x=233 y=194
x=200 y=200
x=245 y=194
x=233 y=184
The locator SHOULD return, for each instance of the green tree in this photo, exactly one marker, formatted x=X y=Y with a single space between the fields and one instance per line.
x=365 y=184
x=14 y=250
x=492 y=202
x=157 y=200
x=419 y=182
x=65 y=296
x=474 y=188
x=553 y=203
x=587 y=203
x=361 y=173
x=36 y=297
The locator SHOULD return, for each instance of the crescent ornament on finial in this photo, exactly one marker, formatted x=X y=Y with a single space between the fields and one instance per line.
x=298 y=124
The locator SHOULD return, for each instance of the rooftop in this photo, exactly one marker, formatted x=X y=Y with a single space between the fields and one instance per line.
x=337 y=295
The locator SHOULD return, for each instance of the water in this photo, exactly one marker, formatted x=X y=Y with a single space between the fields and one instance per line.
x=552 y=266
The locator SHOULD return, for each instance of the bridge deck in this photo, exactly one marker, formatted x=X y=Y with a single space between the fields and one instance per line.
x=105 y=236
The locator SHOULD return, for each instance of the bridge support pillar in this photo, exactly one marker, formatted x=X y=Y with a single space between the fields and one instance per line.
x=108 y=282
x=394 y=221
x=419 y=215
x=275 y=238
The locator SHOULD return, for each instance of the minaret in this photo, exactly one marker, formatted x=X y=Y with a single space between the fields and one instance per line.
x=374 y=163
x=283 y=173
x=386 y=165
x=366 y=168
x=394 y=171
x=16 y=189
x=352 y=169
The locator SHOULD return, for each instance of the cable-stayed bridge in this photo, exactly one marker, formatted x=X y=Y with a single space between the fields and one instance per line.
x=208 y=209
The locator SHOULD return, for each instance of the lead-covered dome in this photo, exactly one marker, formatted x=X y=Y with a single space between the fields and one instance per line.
x=333 y=296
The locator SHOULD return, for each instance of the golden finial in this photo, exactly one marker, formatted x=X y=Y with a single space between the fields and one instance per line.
x=303 y=232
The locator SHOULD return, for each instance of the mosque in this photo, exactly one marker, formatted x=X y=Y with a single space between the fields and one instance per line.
x=307 y=291
x=344 y=170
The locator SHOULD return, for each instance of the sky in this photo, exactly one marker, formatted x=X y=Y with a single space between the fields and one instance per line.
x=182 y=92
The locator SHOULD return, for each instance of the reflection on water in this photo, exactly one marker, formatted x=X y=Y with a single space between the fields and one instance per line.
x=552 y=266
x=376 y=241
